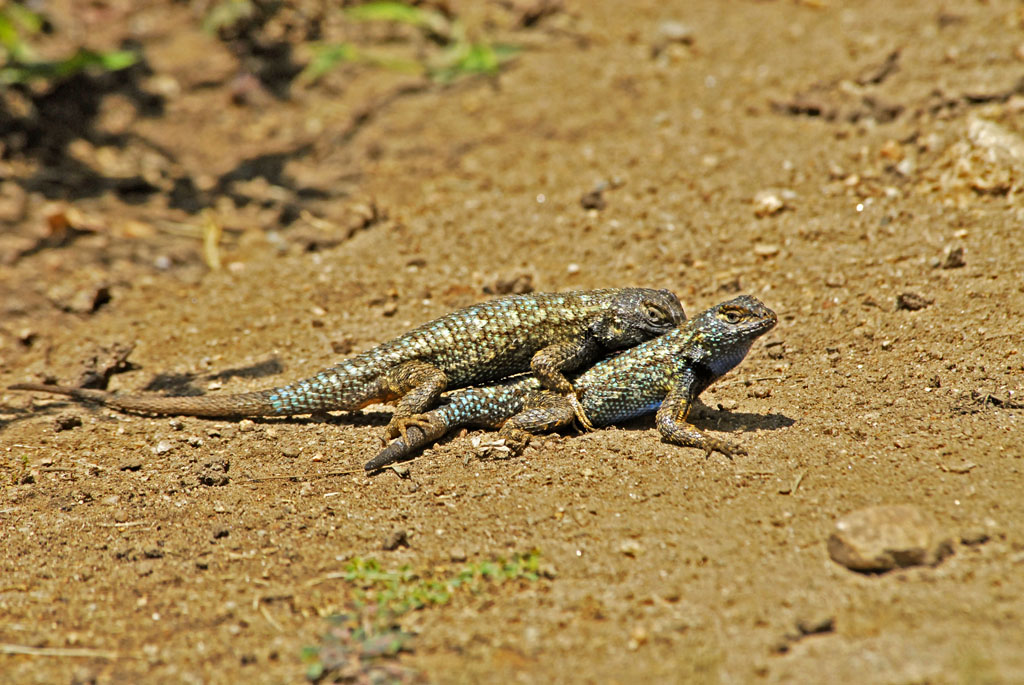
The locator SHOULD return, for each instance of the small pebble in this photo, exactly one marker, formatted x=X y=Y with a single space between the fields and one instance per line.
x=637 y=637
x=457 y=554
x=342 y=345
x=214 y=479
x=65 y=422
x=163 y=447
x=631 y=548
x=775 y=349
x=672 y=31
x=290 y=452
x=593 y=200
x=517 y=285
x=912 y=302
x=816 y=623
x=882 y=538
x=973 y=537
x=892 y=150
x=768 y=202
x=395 y=539
x=953 y=258
x=246 y=425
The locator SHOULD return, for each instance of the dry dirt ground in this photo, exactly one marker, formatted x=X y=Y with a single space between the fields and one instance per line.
x=827 y=157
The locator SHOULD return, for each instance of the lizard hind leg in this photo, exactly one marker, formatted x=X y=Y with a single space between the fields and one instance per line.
x=418 y=384
x=549 y=366
x=419 y=431
x=400 y=425
x=543 y=411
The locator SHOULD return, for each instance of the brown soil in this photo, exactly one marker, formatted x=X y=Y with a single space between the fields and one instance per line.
x=357 y=208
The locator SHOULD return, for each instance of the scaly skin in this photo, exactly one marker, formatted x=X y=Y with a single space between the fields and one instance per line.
x=546 y=333
x=665 y=375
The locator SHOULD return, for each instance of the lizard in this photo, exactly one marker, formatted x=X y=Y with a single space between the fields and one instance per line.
x=663 y=375
x=547 y=334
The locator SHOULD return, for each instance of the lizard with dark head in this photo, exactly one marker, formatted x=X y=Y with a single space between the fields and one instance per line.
x=664 y=375
x=547 y=334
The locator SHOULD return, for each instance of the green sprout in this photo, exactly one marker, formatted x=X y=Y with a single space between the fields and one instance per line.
x=20 y=65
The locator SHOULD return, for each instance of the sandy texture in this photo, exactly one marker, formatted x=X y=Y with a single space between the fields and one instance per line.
x=856 y=166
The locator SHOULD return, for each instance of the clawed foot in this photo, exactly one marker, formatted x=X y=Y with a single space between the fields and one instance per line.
x=510 y=443
x=400 y=425
x=727 y=449
x=577 y=409
x=516 y=440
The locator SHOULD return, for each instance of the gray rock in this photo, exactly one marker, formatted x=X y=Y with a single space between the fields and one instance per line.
x=882 y=538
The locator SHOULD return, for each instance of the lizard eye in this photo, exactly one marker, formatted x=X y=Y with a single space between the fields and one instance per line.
x=731 y=316
x=656 y=315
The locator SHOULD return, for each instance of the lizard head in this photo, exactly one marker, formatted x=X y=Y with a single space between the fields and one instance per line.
x=638 y=314
x=727 y=330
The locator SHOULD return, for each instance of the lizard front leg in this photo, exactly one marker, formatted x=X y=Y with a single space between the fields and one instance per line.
x=671 y=420
x=418 y=385
x=550 y=364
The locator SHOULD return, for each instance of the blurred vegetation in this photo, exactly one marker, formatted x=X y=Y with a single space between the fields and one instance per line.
x=441 y=49
x=358 y=643
x=19 y=63
x=456 y=56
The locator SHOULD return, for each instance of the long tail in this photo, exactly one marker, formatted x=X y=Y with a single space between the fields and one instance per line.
x=242 y=404
x=351 y=385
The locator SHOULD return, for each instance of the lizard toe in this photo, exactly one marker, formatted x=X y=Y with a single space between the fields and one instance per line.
x=581 y=416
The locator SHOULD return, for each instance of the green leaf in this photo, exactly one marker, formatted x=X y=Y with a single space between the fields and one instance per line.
x=13 y=20
x=19 y=14
x=466 y=59
x=314 y=671
x=327 y=57
x=23 y=72
x=227 y=13
x=401 y=13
